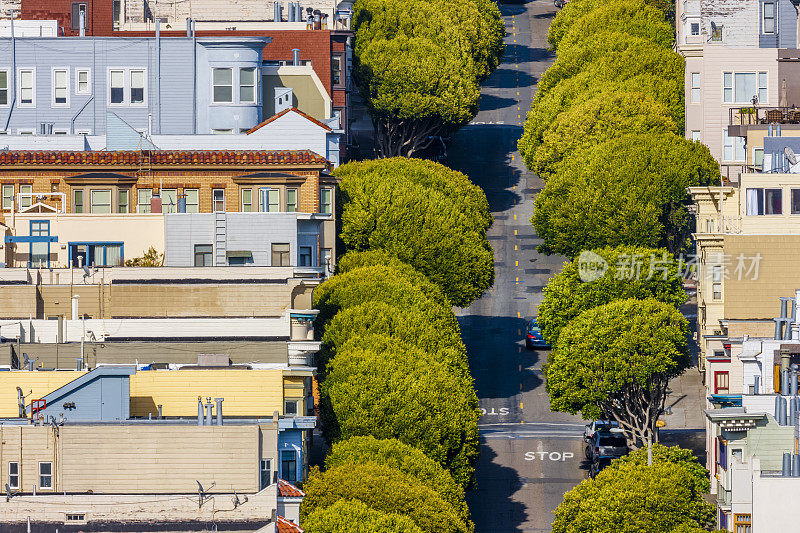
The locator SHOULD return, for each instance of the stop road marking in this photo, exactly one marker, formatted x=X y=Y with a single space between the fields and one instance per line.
x=552 y=456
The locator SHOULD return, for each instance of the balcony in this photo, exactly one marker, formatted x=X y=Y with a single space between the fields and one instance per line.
x=741 y=118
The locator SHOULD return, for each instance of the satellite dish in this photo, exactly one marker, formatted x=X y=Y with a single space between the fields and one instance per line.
x=790 y=156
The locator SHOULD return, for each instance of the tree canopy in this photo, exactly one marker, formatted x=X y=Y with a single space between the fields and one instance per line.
x=675 y=455
x=633 y=498
x=407 y=459
x=376 y=387
x=633 y=272
x=605 y=116
x=427 y=215
x=571 y=13
x=385 y=489
x=614 y=362
x=626 y=191
x=354 y=516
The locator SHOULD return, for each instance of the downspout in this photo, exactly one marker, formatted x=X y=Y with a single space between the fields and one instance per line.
x=194 y=78
x=75 y=117
x=13 y=74
x=158 y=75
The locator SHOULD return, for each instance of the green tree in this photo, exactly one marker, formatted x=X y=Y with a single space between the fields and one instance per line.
x=396 y=283
x=376 y=387
x=569 y=15
x=667 y=7
x=407 y=459
x=425 y=214
x=383 y=489
x=151 y=258
x=675 y=455
x=628 y=276
x=626 y=191
x=407 y=326
x=605 y=116
x=634 y=17
x=615 y=361
x=354 y=516
x=634 y=498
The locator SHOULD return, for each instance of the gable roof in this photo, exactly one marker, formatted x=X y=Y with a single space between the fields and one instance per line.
x=284 y=112
x=285 y=526
x=162 y=157
x=287 y=490
x=92 y=375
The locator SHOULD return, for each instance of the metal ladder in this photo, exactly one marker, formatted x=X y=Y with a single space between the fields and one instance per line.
x=220 y=239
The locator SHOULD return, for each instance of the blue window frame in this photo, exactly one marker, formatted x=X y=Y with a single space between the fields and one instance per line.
x=39 y=252
x=97 y=253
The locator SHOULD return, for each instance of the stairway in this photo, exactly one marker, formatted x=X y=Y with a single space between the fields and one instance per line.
x=220 y=239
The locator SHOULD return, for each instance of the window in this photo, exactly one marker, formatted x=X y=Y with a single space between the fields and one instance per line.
x=218 y=196
x=202 y=255
x=733 y=148
x=101 y=200
x=25 y=201
x=325 y=199
x=27 y=92
x=105 y=254
x=3 y=87
x=305 y=256
x=741 y=87
x=336 y=70
x=764 y=202
x=266 y=473
x=60 y=87
x=13 y=475
x=124 y=200
x=758 y=158
x=8 y=197
x=695 y=28
x=716 y=32
x=143 y=197
x=326 y=258
x=45 y=475
x=247 y=200
x=716 y=285
x=169 y=200
x=247 y=85
x=192 y=200
x=722 y=455
x=116 y=87
x=280 y=254
x=742 y=522
x=289 y=465
x=721 y=382
x=291 y=200
x=222 y=90
x=768 y=25
x=75 y=517
x=709 y=225
x=696 y=135
x=75 y=19
x=82 y=83
x=77 y=201
x=270 y=200
x=695 y=87
x=795 y=202
x=137 y=87
x=290 y=407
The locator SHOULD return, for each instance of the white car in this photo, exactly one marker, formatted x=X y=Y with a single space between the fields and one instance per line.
x=599 y=425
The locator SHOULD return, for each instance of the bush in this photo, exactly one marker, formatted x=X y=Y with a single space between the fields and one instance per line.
x=353 y=516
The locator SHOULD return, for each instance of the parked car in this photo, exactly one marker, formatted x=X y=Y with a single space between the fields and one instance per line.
x=599 y=425
x=560 y=3
x=533 y=337
x=597 y=466
x=606 y=445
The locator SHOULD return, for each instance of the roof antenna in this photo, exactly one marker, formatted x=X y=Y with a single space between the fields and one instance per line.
x=202 y=494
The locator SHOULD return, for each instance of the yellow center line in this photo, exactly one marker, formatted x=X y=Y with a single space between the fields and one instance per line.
x=515 y=231
x=520 y=406
x=519 y=332
x=516 y=263
x=515 y=246
x=518 y=316
x=515 y=216
x=520 y=368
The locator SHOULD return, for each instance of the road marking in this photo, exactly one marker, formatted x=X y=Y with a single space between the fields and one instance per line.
x=517 y=281
x=520 y=368
x=519 y=332
x=515 y=231
x=516 y=263
x=518 y=317
x=520 y=385
x=517 y=93
x=515 y=246
x=515 y=217
x=519 y=348
x=520 y=405
x=503 y=411
x=512 y=157
x=553 y=456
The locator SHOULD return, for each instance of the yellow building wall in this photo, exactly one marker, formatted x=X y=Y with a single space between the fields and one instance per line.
x=34 y=385
x=247 y=393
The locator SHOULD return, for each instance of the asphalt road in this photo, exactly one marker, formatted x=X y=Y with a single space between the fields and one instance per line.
x=530 y=456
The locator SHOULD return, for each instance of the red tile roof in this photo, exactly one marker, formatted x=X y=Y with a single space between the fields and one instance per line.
x=279 y=115
x=163 y=157
x=288 y=490
x=284 y=526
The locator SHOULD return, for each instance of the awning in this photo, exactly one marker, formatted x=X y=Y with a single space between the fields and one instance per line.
x=34 y=238
x=239 y=253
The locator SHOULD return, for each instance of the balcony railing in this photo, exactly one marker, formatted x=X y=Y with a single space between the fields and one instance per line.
x=752 y=115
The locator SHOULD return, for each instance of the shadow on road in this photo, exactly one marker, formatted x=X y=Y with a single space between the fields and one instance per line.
x=492 y=508
x=507 y=78
x=489 y=102
x=497 y=356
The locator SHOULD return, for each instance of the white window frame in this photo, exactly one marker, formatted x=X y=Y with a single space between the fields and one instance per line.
x=39 y=477
x=330 y=191
x=234 y=86
x=143 y=207
x=53 y=86
x=296 y=199
x=10 y=484
x=164 y=205
x=696 y=136
x=26 y=131
x=25 y=188
x=126 y=87
x=19 y=87
x=195 y=204
x=129 y=87
x=734 y=143
x=255 y=85
x=695 y=81
x=214 y=201
x=110 y=201
x=9 y=197
x=758 y=85
x=7 y=88
x=88 y=81
x=774 y=18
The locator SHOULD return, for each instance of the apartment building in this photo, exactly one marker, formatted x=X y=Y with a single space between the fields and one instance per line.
x=739 y=54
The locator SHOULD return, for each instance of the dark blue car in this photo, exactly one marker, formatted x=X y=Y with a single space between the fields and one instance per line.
x=533 y=337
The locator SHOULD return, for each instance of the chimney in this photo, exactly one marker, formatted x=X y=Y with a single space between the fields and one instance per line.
x=81 y=23
x=219 y=410
x=210 y=407
x=795 y=465
x=277 y=15
x=786 y=469
x=199 y=411
x=295 y=56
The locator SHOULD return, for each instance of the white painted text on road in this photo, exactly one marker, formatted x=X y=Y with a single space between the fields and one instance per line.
x=552 y=456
